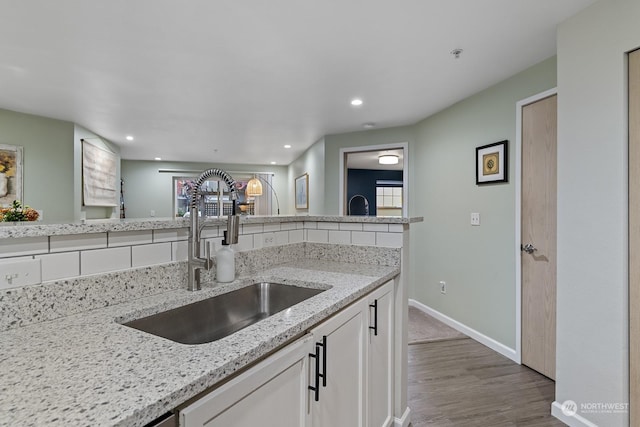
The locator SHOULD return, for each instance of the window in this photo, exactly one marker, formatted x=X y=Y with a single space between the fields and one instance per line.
x=216 y=200
x=388 y=200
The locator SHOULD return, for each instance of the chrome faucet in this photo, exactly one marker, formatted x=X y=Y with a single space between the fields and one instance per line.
x=196 y=262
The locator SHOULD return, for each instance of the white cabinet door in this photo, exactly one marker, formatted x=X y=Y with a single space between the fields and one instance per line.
x=380 y=357
x=271 y=394
x=340 y=399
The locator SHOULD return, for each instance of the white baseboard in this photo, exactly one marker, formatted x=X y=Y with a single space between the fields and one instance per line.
x=405 y=420
x=471 y=333
x=570 y=420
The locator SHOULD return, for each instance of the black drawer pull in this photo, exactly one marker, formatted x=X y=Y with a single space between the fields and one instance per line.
x=375 y=317
x=316 y=388
x=324 y=359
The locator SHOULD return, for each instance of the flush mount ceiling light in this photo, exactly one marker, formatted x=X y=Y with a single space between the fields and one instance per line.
x=369 y=125
x=287 y=146
x=129 y=138
x=356 y=102
x=273 y=163
x=388 y=159
x=157 y=158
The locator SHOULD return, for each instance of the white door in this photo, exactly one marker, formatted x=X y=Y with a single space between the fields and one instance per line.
x=538 y=236
x=380 y=360
x=340 y=348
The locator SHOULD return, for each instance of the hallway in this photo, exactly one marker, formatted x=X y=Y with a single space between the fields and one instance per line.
x=461 y=383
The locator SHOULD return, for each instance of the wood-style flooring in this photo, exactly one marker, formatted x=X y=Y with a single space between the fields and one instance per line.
x=461 y=383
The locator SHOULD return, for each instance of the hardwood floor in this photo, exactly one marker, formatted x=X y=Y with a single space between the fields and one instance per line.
x=461 y=383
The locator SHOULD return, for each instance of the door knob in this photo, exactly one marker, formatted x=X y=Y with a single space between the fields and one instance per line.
x=528 y=248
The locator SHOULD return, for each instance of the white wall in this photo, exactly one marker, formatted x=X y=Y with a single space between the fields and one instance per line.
x=311 y=162
x=592 y=339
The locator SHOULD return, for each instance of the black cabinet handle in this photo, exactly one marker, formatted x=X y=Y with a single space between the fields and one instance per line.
x=324 y=359
x=375 y=317
x=316 y=388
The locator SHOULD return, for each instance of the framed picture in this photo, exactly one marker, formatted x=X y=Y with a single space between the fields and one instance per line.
x=302 y=192
x=491 y=163
x=10 y=174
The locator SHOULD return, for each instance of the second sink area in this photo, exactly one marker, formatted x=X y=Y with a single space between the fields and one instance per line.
x=217 y=317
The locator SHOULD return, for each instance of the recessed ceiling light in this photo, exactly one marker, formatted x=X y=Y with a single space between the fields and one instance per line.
x=129 y=138
x=369 y=125
x=287 y=146
x=157 y=158
x=356 y=102
x=273 y=163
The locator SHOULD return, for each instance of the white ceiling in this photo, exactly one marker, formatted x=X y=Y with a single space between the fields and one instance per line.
x=234 y=80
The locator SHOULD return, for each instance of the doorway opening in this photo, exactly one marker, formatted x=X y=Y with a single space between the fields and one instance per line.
x=374 y=180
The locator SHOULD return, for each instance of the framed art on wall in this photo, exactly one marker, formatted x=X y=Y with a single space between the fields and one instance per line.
x=302 y=191
x=98 y=175
x=10 y=174
x=491 y=163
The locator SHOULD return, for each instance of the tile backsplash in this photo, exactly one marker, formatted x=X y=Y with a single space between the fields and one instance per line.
x=114 y=266
x=78 y=255
x=27 y=305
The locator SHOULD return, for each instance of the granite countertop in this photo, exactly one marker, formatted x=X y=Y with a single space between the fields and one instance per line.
x=87 y=369
x=31 y=229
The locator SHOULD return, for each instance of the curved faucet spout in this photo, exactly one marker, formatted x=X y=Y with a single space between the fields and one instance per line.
x=231 y=184
x=196 y=262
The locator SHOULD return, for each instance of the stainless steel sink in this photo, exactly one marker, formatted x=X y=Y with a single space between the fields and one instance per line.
x=216 y=317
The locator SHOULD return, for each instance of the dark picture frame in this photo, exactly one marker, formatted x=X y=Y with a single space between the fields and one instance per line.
x=492 y=163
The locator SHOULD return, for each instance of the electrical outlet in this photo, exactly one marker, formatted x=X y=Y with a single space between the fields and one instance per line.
x=269 y=239
x=152 y=213
x=443 y=287
x=475 y=218
x=15 y=273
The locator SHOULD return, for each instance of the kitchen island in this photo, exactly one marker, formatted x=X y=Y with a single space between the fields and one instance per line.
x=86 y=368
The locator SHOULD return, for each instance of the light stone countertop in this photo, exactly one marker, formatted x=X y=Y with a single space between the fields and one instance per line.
x=88 y=370
x=36 y=229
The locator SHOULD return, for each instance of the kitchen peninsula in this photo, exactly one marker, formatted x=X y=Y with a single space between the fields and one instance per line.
x=68 y=360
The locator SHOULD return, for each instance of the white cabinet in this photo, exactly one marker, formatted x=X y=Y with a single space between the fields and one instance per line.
x=340 y=374
x=380 y=357
x=271 y=394
x=337 y=395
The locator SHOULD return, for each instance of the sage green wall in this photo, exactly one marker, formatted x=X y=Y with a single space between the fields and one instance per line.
x=48 y=162
x=311 y=162
x=333 y=144
x=477 y=263
x=146 y=189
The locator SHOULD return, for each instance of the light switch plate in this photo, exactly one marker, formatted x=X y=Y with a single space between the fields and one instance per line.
x=475 y=218
x=20 y=273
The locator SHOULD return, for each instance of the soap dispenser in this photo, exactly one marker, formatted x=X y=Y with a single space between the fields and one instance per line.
x=225 y=262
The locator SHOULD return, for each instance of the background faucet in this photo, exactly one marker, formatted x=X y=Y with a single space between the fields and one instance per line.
x=196 y=262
